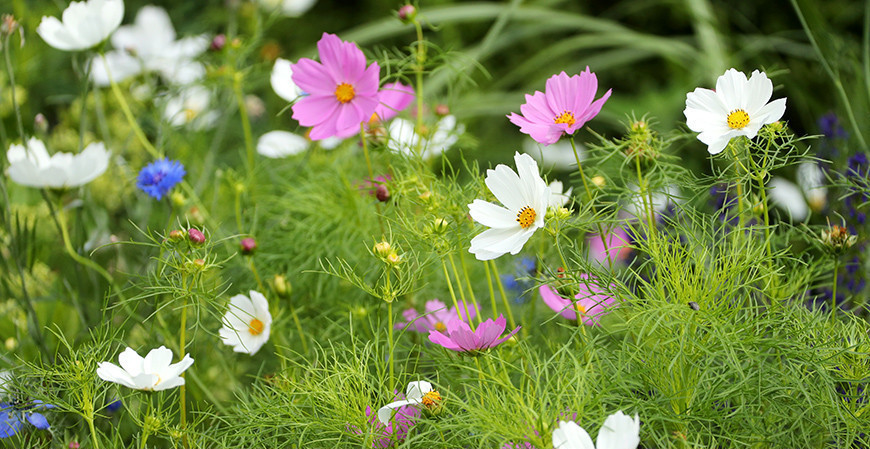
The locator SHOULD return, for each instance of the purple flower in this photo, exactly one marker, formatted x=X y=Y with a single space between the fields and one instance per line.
x=343 y=92
x=14 y=414
x=565 y=107
x=435 y=316
x=592 y=301
x=159 y=177
x=461 y=338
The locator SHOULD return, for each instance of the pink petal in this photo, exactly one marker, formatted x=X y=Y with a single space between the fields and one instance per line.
x=440 y=339
x=315 y=109
x=392 y=99
x=311 y=77
x=556 y=302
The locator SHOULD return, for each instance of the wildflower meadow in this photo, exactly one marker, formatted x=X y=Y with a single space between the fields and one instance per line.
x=511 y=224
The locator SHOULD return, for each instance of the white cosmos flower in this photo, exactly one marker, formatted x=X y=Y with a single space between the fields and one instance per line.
x=557 y=197
x=32 y=166
x=247 y=323
x=278 y=144
x=152 y=373
x=618 y=432
x=525 y=198
x=84 y=24
x=787 y=196
x=149 y=45
x=738 y=107
x=405 y=139
x=190 y=106
x=289 y=8
x=414 y=395
x=282 y=80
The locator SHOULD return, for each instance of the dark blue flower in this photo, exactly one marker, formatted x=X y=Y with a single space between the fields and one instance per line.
x=14 y=414
x=159 y=177
x=114 y=406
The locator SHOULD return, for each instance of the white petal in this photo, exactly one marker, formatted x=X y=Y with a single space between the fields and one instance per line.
x=282 y=80
x=505 y=184
x=493 y=216
x=278 y=144
x=157 y=360
x=386 y=412
x=113 y=373
x=131 y=361
x=619 y=432
x=758 y=91
x=295 y=8
x=417 y=389
x=786 y=195
x=730 y=88
x=496 y=242
x=571 y=436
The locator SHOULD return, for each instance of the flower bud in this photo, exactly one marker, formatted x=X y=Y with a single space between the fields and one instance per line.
x=40 y=124
x=425 y=196
x=407 y=13
x=74 y=445
x=281 y=286
x=382 y=249
x=196 y=236
x=599 y=181
x=218 y=42
x=176 y=235
x=563 y=213
x=248 y=245
x=11 y=343
x=441 y=110
x=394 y=258
x=177 y=199
x=196 y=216
x=838 y=238
x=382 y=193
x=439 y=226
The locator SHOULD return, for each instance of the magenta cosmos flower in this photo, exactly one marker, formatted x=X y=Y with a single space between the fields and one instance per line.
x=461 y=338
x=564 y=108
x=393 y=98
x=592 y=301
x=435 y=316
x=342 y=91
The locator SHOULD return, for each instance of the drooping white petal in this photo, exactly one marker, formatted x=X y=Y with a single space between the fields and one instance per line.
x=278 y=144
x=571 y=436
x=787 y=195
x=386 y=412
x=619 y=431
x=417 y=389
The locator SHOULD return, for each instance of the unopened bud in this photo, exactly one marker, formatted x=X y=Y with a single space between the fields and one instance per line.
x=74 y=445
x=196 y=236
x=177 y=199
x=382 y=193
x=407 y=13
x=563 y=213
x=218 y=42
x=838 y=238
x=425 y=196
x=281 y=286
x=382 y=249
x=394 y=258
x=439 y=226
x=441 y=110
x=10 y=343
x=40 y=124
x=599 y=181
x=777 y=126
x=248 y=245
x=176 y=235
x=196 y=216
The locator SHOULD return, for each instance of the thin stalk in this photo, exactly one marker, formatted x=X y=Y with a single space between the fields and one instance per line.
x=453 y=293
x=246 y=121
x=362 y=136
x=125 y=108
x=766 y=218
x=467 y=278
x=298 y=327
x=11 y=74
x=647 y=207
x=504 y=300
x=181 y=391
x=90 y=420
x=834 y=288
x=589 y=198
x=491 y=290
x=461 y=289
x=392 y=345
x=418 y=73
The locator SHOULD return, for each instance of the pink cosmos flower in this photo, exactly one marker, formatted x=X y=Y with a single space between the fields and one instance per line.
x=436 y=316
x=393 y=98
x=618 y=247
x=593 y=302
x=462 y=339
x=342 y=91
x=565 y=107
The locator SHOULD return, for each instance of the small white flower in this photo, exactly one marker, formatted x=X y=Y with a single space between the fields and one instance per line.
x=557 y=156
x=738 y=107
x=405 y=139
x=289 y=8
x=278 y=144
x=786 y=195
x=247 y=323
x=661 y=200
x=190 y=106
x=618 y=432
x=525 y=198
x=32 y=166
x=282 y=80
x=812 y=180
x=152 y=373
x=414 y=395
x=149 y=45
x=84 y=24
x=557 y=197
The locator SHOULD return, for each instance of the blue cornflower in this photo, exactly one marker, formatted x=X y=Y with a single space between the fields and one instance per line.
x=159 y=177
x=14 y=414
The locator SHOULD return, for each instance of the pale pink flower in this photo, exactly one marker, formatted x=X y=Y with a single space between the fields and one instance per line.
x=435 y=316
x=592 y=301
x=618 y=246
x=461 y=338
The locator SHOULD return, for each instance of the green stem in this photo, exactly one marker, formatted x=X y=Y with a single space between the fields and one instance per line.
x=453 y=293
x=763 y=190
x=11 y=74
x=461 y=288
x=468 y=281
x=298 y=327
x=125 y=108
x=392 y=345
x=491 y=290
x=504 y=300
x=418 y=73
x=182 y=343
x=94 y=441
x=246 y=121
x=647 y=207
x=834 y=289
x=362 y=136
x=589 y=198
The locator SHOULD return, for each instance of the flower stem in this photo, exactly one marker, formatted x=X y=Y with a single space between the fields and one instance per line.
x=392 y=345
x=362 y=136
x=246 y=121
x=589 y=198
x=491 y=290
x=453 y=293
x=94 y=441
x=298 y=327
x=418 y=73
x=181 y=390
x=461 y=289
x=125 y=108
x=504 y=300
x=834 y=289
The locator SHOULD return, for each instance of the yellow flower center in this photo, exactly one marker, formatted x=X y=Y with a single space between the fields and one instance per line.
x=738 y=119
x=580 y=308
x=431 y=399
x=344 y=92
x=566 y=117
x=440 y=327
x=526 y=217
x=189 y=114
x=255 y=327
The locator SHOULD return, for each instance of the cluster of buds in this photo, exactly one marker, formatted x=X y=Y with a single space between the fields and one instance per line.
x=642 y=142
x=384 y=251
x=838 y=238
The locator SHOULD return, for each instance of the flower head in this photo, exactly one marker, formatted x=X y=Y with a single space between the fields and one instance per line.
x=563 y=109
x=159 y=177
x=461 y=338
x=618 y=247
x=436 y=316
x=247 y=323
x=84 y=24
x=419 y=394
x=151 y=373
x=15 y=413
x=525 y=197
x=289 y=8
x=190 y=106
x=592 y=301
x=558 y=198
x=32 y=166
x=343 y=92
x=618 y=432
x=738 y=107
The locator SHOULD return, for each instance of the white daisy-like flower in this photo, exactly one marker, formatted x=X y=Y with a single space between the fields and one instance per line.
x=525 y=197
x=289 y=8
x=738 y=107
x=282 y=80
x=247 y=323
x=418 y=393
x=405 y=139
x=618 y=432
x=151 y=373
x=278 y=144
x=190 y=106
x=149 y=45
x=31 y=165
x=84 y=24
x=557 y=197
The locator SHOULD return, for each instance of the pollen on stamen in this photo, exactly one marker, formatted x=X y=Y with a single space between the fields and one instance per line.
x=431 y=399
x=255 y=327
x=566 y=117
x=344 y=92
x=526 y=217
x=440 y=326
x=738 y=119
